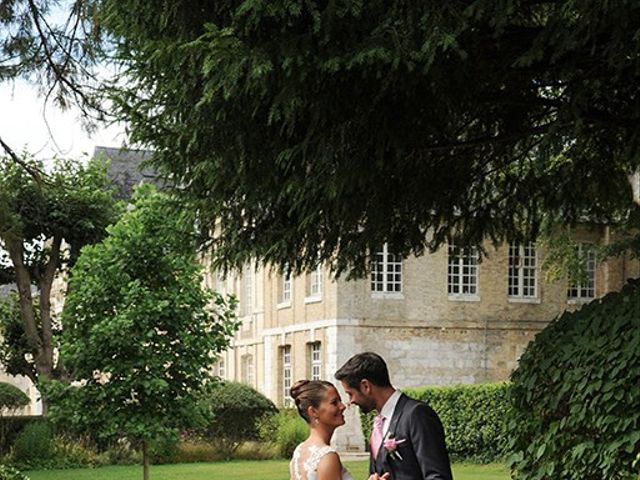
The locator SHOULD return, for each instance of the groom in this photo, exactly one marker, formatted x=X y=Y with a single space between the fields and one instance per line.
x=407 y=441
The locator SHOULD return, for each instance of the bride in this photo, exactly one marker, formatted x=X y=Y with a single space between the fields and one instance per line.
x=318 y=402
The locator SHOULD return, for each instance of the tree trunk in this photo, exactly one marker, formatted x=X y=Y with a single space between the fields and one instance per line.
x=23 y=282
x=145 y=460
x=40 y=341
x=46 y=282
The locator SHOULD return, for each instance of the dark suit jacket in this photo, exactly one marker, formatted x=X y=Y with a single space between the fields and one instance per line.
x=424 y=454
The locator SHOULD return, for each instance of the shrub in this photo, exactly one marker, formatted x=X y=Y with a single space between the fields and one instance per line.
x=73 y=453
x=236 y=409
x=576 y=395
x=474 y=418
x=34 y=444
x=163 y=450
x=11 y=399
x=10 y=428
x=11 y=473
x=286 y=429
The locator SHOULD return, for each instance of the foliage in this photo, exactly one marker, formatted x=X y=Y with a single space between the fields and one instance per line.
x=14 y=344
x=164 y=450
x=235 y=409
x=317 y=131
x=11 y=397
x=10 y=428
x=53 y=45
x=575 y=395
x=140 y=329
x=43 y=224
x=34 y=445
x=474 y=418
x=10 y=473
x=286 y=429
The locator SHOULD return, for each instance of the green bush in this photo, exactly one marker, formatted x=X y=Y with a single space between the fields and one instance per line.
x=10 y=428
x=73 y=453
x=576 y=395
x=286 y=430
x=11 y=473
x=163 y=450
x=11 y=397
x=235 y=409
x=474 y=418
x=34 y=444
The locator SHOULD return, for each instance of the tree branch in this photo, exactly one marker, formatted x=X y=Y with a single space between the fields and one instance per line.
x=36 y=173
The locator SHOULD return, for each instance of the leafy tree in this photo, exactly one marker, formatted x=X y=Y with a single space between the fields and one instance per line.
x=319 y=130
x=43 y=225
x=576 y=402
x=140 y=330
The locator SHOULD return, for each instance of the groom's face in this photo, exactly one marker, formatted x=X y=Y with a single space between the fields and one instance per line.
x=360 y=396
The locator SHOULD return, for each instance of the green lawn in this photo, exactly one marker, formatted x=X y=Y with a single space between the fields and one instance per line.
x=240 y=470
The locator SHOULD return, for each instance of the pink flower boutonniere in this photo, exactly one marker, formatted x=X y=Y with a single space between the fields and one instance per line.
x=391 y=445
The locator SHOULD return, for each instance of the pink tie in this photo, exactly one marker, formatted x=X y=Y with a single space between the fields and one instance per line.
x=376 y=434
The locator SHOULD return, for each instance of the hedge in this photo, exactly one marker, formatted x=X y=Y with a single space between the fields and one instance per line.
x=576 y=395
x=474 y=417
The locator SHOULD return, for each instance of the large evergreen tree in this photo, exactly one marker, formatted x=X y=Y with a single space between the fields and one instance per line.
x=54 y=45
x=319 y=130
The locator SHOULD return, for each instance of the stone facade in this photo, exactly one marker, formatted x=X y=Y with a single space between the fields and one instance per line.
x=427 y=336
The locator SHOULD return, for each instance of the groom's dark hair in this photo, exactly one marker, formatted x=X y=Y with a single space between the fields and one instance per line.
x=367 y=365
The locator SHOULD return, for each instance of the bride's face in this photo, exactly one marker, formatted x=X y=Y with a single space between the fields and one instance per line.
x=330 y=411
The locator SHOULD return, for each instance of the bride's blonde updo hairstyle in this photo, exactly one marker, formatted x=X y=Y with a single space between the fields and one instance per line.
x=308 y=393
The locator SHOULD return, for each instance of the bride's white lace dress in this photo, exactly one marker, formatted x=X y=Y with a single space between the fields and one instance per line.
x=305 y=460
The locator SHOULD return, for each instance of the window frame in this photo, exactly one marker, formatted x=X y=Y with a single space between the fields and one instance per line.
x=315 y=361
x=456 y=271
x=590 y=258
x=527 y=262
x=287 y=375
x=383 y=265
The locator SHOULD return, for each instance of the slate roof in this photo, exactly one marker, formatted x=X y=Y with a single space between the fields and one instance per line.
x=126 y=169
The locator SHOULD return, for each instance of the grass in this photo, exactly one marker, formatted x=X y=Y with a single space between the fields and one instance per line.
x=240 y=470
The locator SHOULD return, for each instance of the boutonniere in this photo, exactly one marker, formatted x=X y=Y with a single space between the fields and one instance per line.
x=391 y=445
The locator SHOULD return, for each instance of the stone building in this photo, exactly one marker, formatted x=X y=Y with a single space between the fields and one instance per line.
x=440 y=319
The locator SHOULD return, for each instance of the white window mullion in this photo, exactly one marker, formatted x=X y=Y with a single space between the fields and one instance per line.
x=386 y=272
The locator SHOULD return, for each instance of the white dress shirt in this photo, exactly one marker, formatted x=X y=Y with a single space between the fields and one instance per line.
x=387 y=411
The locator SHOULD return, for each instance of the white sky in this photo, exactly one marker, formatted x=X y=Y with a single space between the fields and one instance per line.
x=45 y=133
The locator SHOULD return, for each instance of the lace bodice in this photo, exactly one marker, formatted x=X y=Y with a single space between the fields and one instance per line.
x=305 y=460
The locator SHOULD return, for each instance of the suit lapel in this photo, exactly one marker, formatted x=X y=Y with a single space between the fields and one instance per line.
x=395 y=417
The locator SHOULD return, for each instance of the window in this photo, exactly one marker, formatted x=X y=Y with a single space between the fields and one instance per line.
x=286 y=375
x=585 y=289
x=248 y=370
x=462 y=279
x=316 y=360
x=285 y=289
x=315 y=282
x=221 y=282
x=523 y=281
x=221 y=368
x=386 y=272
x=247 y=300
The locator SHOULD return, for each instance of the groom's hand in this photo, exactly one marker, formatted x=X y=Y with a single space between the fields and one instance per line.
x=375 y=476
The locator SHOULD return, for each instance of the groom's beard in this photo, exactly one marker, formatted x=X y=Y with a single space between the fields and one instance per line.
x=367 y=407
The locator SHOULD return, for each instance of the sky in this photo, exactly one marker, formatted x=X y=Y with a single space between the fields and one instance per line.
x=47 y=132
